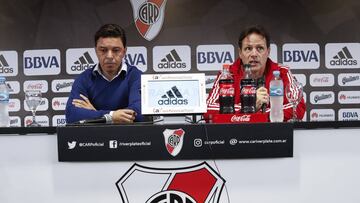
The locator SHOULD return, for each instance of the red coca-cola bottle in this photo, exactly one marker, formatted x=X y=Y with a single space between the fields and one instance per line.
x=248 y=92
x=227 y=91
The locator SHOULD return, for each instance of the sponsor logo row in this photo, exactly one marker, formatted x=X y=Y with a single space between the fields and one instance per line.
x=178 y=58
x=348 y=114
x=351 y=114
x=57 y=86
x=64 y=85
x=57 y=104
x=43 y=120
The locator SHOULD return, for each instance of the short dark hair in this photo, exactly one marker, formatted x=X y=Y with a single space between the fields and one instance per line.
x=254 y=29
x=111 y=30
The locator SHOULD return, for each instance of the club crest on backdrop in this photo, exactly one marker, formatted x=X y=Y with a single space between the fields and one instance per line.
x=148 y=17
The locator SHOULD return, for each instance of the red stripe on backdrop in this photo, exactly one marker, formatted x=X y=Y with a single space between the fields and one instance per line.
x=157 y=2
x=143 y=28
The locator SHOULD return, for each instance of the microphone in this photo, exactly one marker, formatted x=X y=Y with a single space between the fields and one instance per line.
x=261 y=83
x=102 y=119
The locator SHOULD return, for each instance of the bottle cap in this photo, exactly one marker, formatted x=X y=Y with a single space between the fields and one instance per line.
x=276 y=73
x=226 y=66
x=2 y=79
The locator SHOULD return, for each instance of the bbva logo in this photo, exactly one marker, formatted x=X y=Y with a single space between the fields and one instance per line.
x=137 y=56
x=301 y=56
x=42 y=62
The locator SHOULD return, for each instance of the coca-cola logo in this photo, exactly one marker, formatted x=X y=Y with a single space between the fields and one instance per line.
x=242 y=118
x=227 y=91
x=248 y=90
x=322 y=79
x=35 y=86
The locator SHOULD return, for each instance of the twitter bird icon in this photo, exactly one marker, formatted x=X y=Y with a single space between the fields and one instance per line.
x=72 y=144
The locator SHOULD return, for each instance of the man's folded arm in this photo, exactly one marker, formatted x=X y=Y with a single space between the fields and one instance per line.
x=74 y=114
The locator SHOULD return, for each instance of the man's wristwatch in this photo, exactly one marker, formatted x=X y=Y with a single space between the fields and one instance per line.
x=109 y=116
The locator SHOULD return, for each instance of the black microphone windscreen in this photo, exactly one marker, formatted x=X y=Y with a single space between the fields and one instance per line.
x=261 y=82
x=97 y=120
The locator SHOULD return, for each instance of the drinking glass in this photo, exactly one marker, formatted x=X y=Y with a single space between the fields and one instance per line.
x=294 y=94
x=33 y=100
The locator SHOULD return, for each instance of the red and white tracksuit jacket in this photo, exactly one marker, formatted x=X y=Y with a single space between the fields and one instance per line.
x=237 y=71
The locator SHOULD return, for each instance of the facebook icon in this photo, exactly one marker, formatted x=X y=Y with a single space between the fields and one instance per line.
x=113 y=144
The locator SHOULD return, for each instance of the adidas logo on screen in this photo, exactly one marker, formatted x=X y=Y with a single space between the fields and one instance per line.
x=7 y=65
x=173 y=97
x=343 y=57
x=172 y=60
x=84 y=62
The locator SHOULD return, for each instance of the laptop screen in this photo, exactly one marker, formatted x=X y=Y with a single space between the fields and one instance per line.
x=175 y=94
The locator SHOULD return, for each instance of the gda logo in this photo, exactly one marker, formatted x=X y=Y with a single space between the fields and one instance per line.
x=148 y=17
x=180 y=185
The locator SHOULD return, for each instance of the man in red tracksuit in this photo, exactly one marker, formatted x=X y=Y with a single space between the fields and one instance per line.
x=254 y=49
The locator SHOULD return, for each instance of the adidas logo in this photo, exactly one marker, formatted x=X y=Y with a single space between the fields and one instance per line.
x=172 y=60
x=4 y=65
x=3 y=62
x=173 y=97
x=343 y=54
x=84 y=62
x=343 y=57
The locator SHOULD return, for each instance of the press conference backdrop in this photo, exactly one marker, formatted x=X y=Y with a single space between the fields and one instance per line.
x=45 y=44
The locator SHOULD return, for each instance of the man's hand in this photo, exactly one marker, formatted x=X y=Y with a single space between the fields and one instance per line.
x=123 y=116
x=83 y=103
x=262 y=97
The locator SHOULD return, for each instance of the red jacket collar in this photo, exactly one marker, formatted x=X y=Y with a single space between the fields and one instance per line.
x=237 y=67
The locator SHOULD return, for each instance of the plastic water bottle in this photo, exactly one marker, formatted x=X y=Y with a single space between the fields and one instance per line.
x=276 y=98
x=4 y=104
